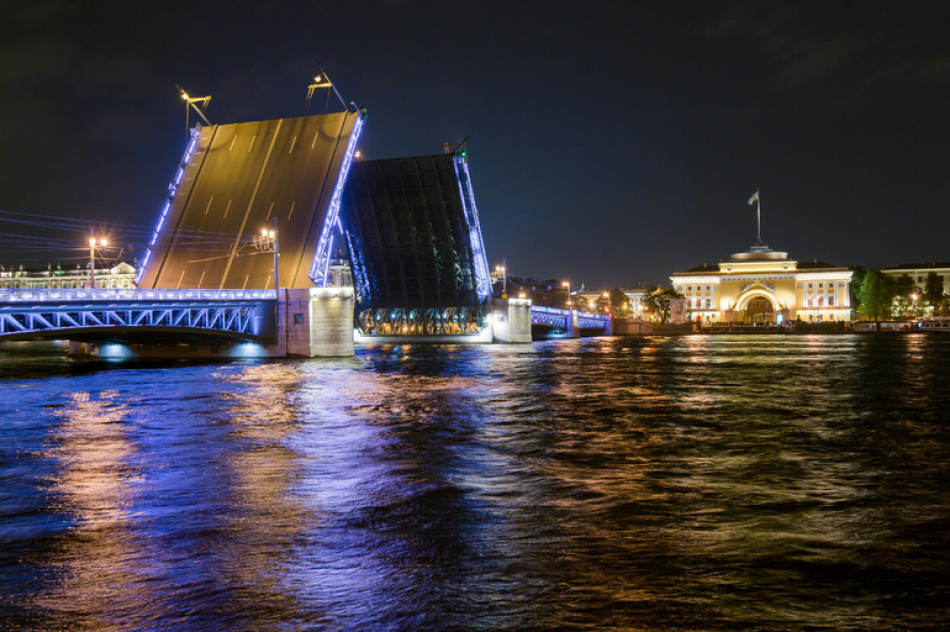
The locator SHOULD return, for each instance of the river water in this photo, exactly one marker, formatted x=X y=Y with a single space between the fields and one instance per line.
x=695 y=483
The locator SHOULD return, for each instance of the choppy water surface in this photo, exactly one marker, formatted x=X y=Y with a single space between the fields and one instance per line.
x=700 y=483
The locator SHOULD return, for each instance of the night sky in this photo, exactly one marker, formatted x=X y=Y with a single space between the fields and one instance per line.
x=612 y=144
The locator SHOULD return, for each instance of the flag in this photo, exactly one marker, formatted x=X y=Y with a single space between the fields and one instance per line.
x=754 y=198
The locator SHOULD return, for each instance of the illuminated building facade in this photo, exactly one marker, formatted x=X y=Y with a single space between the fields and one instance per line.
x=915 y=306
x=121 y=276
x=918 y=273
x=762 y=285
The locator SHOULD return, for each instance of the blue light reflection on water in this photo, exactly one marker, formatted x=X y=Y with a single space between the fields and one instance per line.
x=769 y=483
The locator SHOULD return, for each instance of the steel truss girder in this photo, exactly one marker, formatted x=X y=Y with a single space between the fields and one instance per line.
x=235 y=318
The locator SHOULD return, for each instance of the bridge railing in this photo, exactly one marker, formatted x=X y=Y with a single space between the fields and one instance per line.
x=99 y=294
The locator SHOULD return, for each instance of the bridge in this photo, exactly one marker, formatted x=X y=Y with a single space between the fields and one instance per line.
x=135 y=315
x=551 y=322
x=408 y=229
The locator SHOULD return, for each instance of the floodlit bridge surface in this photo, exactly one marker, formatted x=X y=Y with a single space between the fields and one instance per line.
x=83 y=314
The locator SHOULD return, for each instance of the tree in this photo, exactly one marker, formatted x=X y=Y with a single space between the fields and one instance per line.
x=619 y=302
x=933 y=291
x=857 y=280
x=657 y=301
x=877 y=294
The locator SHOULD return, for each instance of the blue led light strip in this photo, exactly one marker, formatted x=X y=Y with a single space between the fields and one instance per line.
x=482 y=277
x=321 y=261
x=172 y=189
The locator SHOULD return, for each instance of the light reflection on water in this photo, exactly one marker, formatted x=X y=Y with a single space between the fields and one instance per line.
x=698 y=483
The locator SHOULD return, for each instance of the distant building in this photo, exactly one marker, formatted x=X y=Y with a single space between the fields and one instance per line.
x=636 y=307
x=550 y=293
x=764 y=286
x=120 y=276
x=918 y=273
x=598 y=301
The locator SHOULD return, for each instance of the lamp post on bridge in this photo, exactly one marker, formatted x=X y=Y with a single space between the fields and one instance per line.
x=504 y=278
x=93 y=243
x=268 y=242
x=190 y=102
x=567 y=285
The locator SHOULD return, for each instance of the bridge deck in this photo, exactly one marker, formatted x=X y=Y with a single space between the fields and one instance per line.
x=233 y=181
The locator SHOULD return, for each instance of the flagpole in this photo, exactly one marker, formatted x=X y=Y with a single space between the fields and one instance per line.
x=758 y=219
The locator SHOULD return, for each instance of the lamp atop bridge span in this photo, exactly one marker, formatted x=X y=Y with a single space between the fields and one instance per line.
x=322 y=80
x=190 y=103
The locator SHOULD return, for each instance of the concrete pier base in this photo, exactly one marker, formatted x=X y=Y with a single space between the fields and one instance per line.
x=330 y=323
x=511 y=320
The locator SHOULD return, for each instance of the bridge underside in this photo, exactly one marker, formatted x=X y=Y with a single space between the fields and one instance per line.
x=234 y=181
x=415 y=247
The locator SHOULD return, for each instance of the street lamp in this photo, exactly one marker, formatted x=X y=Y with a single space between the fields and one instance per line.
x=267 y=243
x=93 y=244
x=190 y=103
x=567 y=285
x=913 y=298
x=504 y=278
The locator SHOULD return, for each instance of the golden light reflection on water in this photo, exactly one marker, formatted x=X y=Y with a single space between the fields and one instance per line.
x=95 y=483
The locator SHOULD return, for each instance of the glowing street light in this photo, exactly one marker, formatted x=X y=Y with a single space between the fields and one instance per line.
x=93 y=244
x=266 y=243
x=504 y=278
x=190 y=103
x=319 y=82
x=567 y=284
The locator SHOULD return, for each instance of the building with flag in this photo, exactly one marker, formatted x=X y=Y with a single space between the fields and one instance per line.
x=762 y=285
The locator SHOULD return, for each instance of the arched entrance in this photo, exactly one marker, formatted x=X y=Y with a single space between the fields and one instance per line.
x=759 y=310
x=758 y=305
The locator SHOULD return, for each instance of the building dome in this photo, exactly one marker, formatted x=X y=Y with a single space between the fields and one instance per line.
x=759 y=253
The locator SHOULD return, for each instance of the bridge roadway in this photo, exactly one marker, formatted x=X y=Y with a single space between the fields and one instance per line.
x=108 y=315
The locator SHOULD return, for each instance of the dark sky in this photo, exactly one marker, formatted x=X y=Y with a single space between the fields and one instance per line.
x=608 y=144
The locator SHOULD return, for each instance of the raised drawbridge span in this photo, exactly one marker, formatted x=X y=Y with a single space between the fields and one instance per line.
x=406 y=229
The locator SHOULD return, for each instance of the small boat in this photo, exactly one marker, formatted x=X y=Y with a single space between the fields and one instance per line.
x=941 y=326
